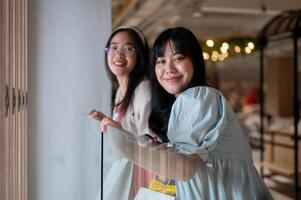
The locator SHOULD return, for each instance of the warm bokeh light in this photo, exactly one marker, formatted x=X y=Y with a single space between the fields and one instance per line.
x=221 y=49
x=248 y=50
x=251 y=45
x=206 y=55
x=225 y=45
x=210 y=43
x=221 y=57
x=214 y=58
x=215 y=53
x=237 y=49
x=224 y=49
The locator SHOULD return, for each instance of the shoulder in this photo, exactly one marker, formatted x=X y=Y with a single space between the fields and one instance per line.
x=142 y=90
x=144 y=84
x=141 y=97
x=201 y=99
x=199 y=93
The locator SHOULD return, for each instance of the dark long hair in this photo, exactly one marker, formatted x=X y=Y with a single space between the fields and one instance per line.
x=187 y=44
x=139 y=71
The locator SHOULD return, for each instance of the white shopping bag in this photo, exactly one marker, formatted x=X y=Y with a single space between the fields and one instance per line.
x=148 y=194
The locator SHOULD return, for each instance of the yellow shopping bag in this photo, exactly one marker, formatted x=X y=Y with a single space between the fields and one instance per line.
x=158 y=186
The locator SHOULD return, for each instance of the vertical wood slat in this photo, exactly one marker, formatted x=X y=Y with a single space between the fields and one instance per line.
x=24 y=110
x=18 y=113
x=18 y=87
x=6 y=177
x=2 y=100
x=13 y=75
x=22 y=116
x=25 y=90
x=12 y=83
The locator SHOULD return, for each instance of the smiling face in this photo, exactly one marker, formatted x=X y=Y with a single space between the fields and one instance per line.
x=121 y=55
x=174 y=71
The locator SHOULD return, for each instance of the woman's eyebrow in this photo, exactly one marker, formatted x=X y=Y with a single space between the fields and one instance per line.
x=175 y=53
x=127 y=43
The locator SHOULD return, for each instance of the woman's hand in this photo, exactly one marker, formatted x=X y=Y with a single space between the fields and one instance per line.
x=104 y=120
x=97 y=115
x=108 y=121
x=149 y=140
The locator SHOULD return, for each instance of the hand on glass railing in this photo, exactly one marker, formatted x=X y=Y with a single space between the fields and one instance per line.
x=96 y=115
x=105 y=120
x=108 y=121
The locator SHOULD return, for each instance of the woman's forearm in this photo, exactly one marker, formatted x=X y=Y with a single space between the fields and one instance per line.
x=164 y=162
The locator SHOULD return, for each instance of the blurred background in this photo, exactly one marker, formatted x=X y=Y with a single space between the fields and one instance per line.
x=227 y=31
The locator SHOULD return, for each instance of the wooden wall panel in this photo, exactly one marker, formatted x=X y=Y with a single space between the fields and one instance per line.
x=279 y=87
x=2 y=100
x=6 y=41
x=13 y=84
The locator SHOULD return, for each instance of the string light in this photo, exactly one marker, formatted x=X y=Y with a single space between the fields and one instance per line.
x=225 y=55
x=214 y=58
x=223 y=49
x=237 y=49
x=210 y=43
x=221 y=57
x=251 y=45
x=219 y=50
x=206 y=56
x=248 y=50
x=225 y=45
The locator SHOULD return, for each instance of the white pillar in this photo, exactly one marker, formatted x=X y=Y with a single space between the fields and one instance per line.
x=67 y=78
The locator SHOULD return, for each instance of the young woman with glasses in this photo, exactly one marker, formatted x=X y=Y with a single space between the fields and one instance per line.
x=127 y=60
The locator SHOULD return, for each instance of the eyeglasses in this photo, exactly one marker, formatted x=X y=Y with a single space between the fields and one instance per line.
x=128 y=50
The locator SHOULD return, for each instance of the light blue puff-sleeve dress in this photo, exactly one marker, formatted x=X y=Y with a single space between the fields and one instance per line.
x=202 y=122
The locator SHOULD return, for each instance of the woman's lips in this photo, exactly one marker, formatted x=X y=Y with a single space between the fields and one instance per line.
x=119 y=64
x=172 y=79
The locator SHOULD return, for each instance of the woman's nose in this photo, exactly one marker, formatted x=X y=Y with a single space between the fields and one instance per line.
x=171 y=68
x=120 y=52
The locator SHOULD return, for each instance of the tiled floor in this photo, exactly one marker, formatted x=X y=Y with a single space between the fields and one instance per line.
x=278 y=191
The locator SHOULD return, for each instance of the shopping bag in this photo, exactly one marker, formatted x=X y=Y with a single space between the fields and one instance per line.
x=148 y=194
x=169 y=188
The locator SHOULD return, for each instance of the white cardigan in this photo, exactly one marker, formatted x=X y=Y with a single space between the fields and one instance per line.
x=118 y=182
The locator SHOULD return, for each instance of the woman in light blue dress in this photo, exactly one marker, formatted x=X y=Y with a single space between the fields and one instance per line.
x=201 y=123
x=210 y=157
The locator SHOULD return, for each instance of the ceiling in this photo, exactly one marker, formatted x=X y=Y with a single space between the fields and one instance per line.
x=206 y=18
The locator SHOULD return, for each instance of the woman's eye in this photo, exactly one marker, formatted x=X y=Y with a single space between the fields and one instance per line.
x=178 y=59
x=129 y=49
x=114 y=48
x=160 y=62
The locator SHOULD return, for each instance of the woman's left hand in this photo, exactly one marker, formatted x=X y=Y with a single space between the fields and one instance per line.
x=108 y=121
x=97 y=115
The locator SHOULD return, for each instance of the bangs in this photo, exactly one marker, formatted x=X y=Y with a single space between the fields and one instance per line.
x=178 y=43
x=159 y=47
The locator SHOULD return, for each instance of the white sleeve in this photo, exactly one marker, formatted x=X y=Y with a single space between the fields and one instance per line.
x=141 y=106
